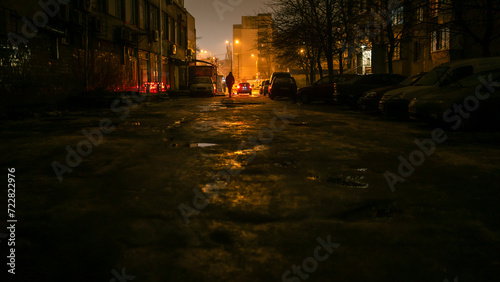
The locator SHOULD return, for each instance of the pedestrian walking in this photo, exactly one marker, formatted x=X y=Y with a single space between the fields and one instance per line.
x=230 y=82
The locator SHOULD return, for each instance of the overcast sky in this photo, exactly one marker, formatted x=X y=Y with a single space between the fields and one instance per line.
x=215 y=26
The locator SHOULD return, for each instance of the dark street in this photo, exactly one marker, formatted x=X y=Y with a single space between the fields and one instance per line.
x=249 y=189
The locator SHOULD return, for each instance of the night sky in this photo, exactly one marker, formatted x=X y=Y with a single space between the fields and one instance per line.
x=215 y=28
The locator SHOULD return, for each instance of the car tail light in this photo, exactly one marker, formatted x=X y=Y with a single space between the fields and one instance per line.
x=239 y=86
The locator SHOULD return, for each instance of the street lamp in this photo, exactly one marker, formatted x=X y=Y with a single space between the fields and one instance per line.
x=206 y=52
x=238 y=54
x=256 y=67
x=229 y=51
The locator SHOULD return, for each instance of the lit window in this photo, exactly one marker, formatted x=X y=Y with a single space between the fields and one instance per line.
x=397 y=53
x=420 y=14
x=398 y=16
x=441 y=39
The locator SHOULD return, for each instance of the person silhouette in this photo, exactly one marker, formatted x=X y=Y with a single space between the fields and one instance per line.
x=230 y=82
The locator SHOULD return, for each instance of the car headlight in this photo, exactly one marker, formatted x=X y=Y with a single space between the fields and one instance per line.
x=413 y=102
x=370 y=94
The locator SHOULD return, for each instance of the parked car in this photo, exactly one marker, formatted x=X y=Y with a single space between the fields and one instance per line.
x=283 y=87
x=278 y=74
x=476 y=101
x=202 y=85
x=264 y=89
x=322 y=90
x=371 y=98
x=396 y=102
x=348 y=93
x=244 y=87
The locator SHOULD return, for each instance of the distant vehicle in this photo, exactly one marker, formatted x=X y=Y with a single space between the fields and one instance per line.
x=371 y=98
x=244 y=87
x=322 y=90
x=283 y=87
x=477 y=102
x=348 y=93
x=396 y=102
x=264 y=89
x=203 y=85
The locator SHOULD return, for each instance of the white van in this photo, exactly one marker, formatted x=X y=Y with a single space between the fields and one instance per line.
x=396 y=101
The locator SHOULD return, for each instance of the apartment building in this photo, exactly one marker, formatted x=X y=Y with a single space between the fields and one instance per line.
x=431 y=32
x=91 y=45
x=251 y=58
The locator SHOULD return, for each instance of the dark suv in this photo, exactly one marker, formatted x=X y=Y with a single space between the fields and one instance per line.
x=283 y=87
x=322 y=90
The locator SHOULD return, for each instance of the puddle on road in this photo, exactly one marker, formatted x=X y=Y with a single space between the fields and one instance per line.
x=349 y=181
x=287 y=164
x=201 y=145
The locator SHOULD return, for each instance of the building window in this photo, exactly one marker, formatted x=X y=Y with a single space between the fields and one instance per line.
x=398 y=16
x=420 y=14
x=165 y=26
x=176 y=32
x=183 y=37
x=131 y=11
x=397 y=53
x=417 y=51
x=434 y=6
x=115 y=8
x=118 y=9
x=154 y=18
x=143 y=15
x=441 y=39
x=172 y=29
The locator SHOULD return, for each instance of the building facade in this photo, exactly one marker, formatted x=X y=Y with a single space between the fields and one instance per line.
x=250 y=60
x=89 y=45
x=431 y=32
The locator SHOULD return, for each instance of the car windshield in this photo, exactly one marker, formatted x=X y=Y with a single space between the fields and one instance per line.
x=358 y=78
x=203 y=80
x=474 y=80
x=363 y=79
x=411 y=80
x=432 y=77
x=283 y=80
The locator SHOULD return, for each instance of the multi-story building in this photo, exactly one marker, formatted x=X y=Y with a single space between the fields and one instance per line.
x=431 y=32
x=90 y=45
x=251 y=61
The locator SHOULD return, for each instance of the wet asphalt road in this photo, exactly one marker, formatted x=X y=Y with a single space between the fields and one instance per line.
x=249 y=189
